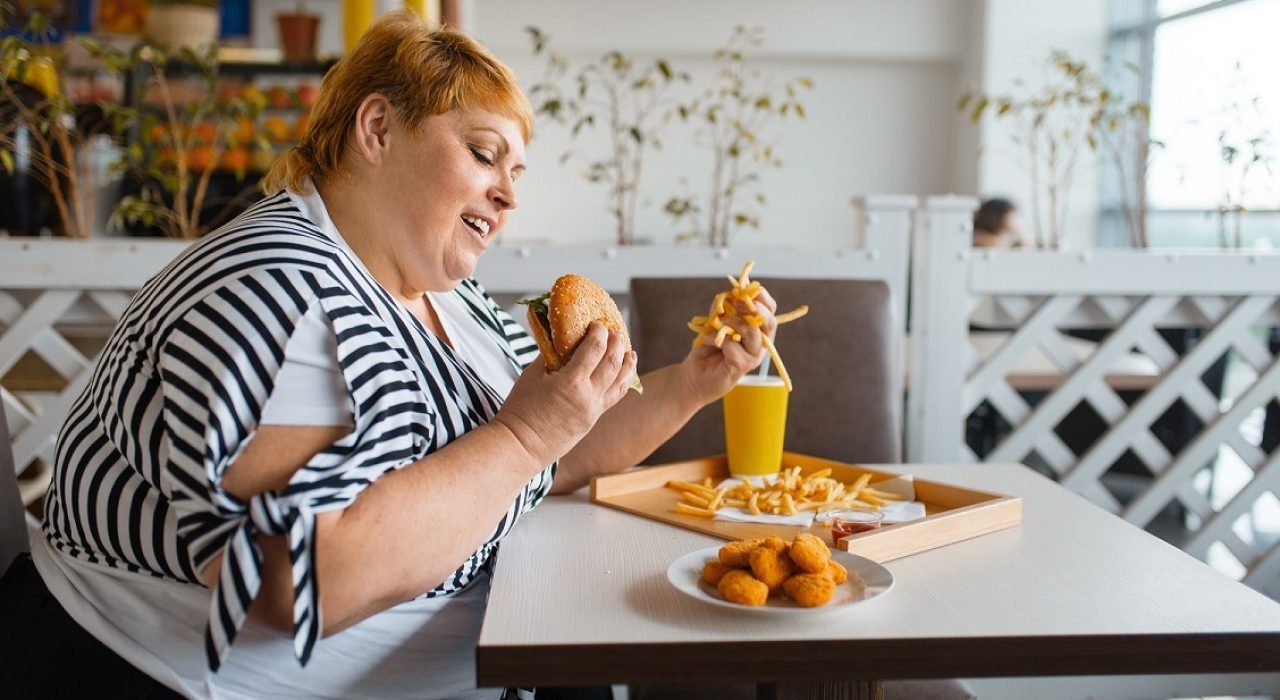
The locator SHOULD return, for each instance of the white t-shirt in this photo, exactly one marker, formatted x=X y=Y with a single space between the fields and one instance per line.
x=423 y=648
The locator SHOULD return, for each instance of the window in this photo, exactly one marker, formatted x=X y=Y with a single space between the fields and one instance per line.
x=1208 y=71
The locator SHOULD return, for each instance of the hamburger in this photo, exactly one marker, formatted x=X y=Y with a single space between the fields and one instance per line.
x=559 y=319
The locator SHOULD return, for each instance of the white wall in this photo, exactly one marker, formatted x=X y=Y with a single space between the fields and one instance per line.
x=880 y=119
x=1017 y=37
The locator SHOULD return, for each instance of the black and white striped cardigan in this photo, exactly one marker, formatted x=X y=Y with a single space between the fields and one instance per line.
x=181 y=384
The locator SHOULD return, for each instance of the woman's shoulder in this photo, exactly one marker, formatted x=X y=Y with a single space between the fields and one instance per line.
x=273 y=234
x=272 y=250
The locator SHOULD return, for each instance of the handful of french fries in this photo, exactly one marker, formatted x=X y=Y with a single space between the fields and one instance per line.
x=713 y=326
x=790 y=494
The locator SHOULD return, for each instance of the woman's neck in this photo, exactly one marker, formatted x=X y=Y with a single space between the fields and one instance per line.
x=355 y=215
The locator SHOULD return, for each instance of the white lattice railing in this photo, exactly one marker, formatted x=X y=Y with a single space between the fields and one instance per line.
x=60 y=299
x=1211 y=489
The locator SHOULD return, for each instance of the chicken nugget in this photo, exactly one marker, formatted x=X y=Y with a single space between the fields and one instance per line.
x=810 y=553
x=738 y=553
x=738 y=586
x=713 y=571
x=771 y=567
x=775 y=543
x=837 y=572
x=809 y=590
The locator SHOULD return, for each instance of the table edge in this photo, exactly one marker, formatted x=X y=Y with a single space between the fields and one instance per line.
x=879 y=659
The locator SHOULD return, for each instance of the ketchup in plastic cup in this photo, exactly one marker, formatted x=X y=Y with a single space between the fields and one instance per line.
x=851 y=522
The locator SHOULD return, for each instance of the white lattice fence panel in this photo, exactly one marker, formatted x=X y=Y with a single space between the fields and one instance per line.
x=36 y=326
x=1101 y=377
x=1105 y=370
x=59 y=300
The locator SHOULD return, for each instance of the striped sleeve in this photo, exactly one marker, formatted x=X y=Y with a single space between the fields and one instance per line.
x=217 y=366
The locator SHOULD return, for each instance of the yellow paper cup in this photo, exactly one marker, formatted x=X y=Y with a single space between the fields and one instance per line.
x=755 y=420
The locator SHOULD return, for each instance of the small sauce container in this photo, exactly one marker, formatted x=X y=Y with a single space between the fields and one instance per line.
x=852 y=522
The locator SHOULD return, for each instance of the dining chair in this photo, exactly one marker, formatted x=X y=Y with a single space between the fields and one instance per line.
x=843 y=358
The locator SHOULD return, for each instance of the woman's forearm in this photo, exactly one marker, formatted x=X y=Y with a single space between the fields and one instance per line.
x=631 y=430
x=413 y=527
x=400 y=537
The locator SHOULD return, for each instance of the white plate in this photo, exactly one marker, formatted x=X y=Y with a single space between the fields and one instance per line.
x=867 y=579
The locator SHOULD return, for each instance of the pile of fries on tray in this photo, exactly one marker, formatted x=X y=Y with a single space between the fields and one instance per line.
x=789 y=494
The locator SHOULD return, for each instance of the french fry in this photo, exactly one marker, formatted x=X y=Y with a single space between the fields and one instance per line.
x=686 y=509
x=882 y=495
x=818 y=474
x=720 y=334
x=699 y=489
x=788 y=317
x=744 y=290
x=858 y=485
x=777 y=360
x=694 y=499
x=791 y=492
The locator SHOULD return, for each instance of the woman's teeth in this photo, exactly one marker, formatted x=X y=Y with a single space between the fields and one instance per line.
x=478 y=224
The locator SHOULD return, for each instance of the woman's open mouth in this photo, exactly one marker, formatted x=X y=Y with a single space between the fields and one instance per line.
x=480 y=226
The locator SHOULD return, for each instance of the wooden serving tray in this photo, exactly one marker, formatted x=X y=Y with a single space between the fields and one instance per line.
x=953 y=513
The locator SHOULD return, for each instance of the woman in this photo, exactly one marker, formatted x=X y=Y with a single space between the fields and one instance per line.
x=995 y=225
x=318 y=416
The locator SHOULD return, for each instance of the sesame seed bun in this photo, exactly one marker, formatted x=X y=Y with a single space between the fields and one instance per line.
x=574 y=303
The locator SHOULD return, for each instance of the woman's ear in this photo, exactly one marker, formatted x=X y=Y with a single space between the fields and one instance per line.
x=373 y=128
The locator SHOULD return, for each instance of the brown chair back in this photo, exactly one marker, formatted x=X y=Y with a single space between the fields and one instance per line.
x=13 y=523
x=842 y=357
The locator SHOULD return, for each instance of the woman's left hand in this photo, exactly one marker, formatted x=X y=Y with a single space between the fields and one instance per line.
x=710 y=372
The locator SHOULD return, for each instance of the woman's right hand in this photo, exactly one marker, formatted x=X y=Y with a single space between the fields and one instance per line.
x=549 y=412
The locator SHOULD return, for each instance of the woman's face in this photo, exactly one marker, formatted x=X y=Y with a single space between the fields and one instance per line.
x=451 y=186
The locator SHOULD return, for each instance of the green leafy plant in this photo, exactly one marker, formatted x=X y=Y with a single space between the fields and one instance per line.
x=176 y=138
x=41 y=128
x=734 y=114
x=1072 y=111
x=624 y=97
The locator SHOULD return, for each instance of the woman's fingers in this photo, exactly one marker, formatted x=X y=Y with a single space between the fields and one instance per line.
x=590 y=351
x=606 y=370
x=767 y=300
x=737 y=357
x=626 y=373
x=751 y=337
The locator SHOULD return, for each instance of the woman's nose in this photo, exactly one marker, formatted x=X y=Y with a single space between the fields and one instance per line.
x=503 y=195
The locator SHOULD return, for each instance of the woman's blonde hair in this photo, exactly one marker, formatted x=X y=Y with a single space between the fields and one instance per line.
x=421 y=70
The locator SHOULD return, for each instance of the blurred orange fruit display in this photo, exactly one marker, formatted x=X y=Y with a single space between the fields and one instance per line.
x=236 y=159
x=276 y=129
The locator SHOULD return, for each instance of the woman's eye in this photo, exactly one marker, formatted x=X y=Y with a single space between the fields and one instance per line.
x=481 y=156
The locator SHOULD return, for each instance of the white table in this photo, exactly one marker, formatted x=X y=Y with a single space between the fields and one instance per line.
x=580 y=597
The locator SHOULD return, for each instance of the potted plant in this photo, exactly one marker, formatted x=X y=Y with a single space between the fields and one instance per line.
x=734 y=114
x=298 y=32
x=178 y=135
x=1074 y=110
x=617 y=93
x=191 y=24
